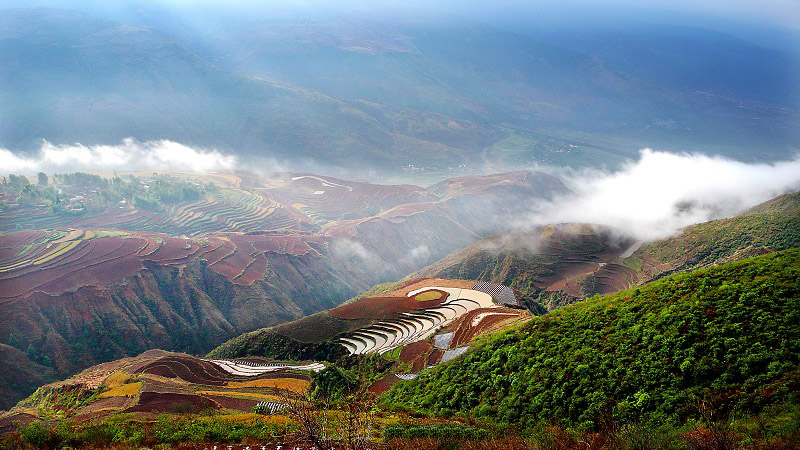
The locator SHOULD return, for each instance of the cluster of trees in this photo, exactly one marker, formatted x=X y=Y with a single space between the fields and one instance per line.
x=31 y=351
x=125 y=432
x=725 y=336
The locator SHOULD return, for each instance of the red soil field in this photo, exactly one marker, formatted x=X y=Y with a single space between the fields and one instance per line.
x=614 y=278
x=225 y=249
x=211 y=245
x=111 y=218
x=189 y=369
x=408 y=210
x=172 y=403
x=232 y=265
x=242 y=258
x=416 y=354
x=77 y=252
x=435 y=356
x=19 y=238
x=254 y=271
x=383 y=385
x=172 y=249
x=383 y=307
x=109 y=260
x=465 y=332
x=109 y=402
x=152 y=246
x=292 y=245
x=240 y=404
x=243 y=244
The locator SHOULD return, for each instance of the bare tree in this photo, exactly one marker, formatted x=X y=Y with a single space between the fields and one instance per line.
x=344 y=424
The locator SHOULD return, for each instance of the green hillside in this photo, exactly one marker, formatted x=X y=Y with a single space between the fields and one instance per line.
x=725 y=336
x=770 y=226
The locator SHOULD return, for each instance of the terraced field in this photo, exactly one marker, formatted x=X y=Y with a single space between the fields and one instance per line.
x=326 y=199
x=59 y=260
x=34 y=218
x=232 y=210
x=563 y=261
x=159 y=276
x=451 y=340
x=157 y=382
x=418 y=325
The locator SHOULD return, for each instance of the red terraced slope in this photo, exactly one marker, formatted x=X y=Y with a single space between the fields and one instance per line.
x=383 y=307
x=63 y=265
x=62 y=294
x=553 y=259
x=161 y=382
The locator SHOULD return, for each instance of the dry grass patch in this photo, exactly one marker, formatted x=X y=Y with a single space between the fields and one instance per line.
x=116 y=379
x=428 y=296
x=288 y=384
x=250 y=418
x=124 y=390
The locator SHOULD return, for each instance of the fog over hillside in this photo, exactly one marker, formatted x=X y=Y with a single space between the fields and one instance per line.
x=662 y=192
x=648 y=198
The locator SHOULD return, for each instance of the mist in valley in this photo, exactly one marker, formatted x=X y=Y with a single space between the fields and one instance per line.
x=647 y=198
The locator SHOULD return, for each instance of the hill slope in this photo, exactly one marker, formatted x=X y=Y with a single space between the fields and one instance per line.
x=772 y=225
x=725 y=335
x=559 y=264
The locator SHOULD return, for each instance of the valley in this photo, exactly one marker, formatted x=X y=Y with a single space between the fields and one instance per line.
x=141 y=278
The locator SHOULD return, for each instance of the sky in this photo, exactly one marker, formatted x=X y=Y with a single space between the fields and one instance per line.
x=784 y=13
x=773 y=24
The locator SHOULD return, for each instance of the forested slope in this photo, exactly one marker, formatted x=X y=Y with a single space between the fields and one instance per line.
x=725 y=336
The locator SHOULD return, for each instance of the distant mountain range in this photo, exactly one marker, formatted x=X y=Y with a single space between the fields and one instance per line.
x=380 y=95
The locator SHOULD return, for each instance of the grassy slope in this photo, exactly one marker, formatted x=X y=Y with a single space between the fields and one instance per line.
x=726 y=335
x=523 y=260
x=773 y=225
x=515 y=260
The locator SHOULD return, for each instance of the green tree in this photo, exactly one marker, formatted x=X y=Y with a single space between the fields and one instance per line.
x=333 y=383
x=13 y=341
x=31 y=352
x=42 y=178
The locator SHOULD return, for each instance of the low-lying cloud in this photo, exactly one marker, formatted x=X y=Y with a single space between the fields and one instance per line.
x=662 y=192
x=130 y=154
x=346 y=248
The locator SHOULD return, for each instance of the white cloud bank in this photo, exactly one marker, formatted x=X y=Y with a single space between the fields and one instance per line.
x=128 y=155
x=662 y=192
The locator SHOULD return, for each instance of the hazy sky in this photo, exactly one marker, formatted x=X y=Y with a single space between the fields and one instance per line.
x=785 y=13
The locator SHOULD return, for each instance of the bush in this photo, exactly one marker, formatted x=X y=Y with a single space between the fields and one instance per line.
x=38 y=435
